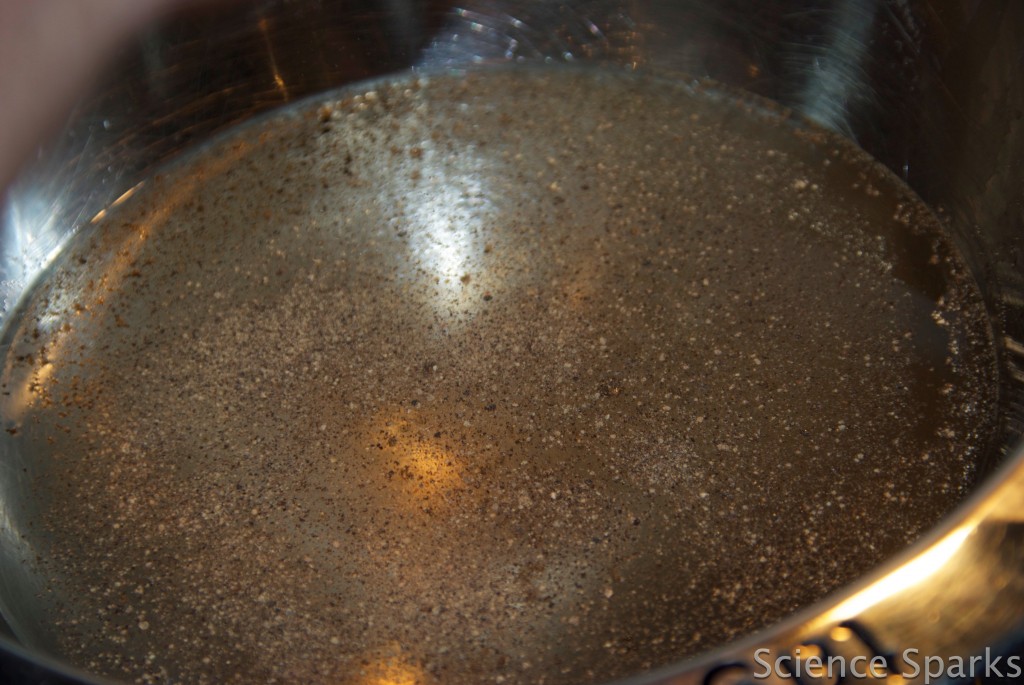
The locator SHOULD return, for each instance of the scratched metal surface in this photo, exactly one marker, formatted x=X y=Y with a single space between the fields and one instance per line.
x=935 y=90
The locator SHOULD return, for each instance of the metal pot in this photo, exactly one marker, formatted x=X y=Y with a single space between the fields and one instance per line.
x=933 y=89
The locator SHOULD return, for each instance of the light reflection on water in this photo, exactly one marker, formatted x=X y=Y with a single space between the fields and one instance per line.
x=446 y=216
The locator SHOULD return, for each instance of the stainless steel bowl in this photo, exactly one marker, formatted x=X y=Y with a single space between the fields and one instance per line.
x=932 y=88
